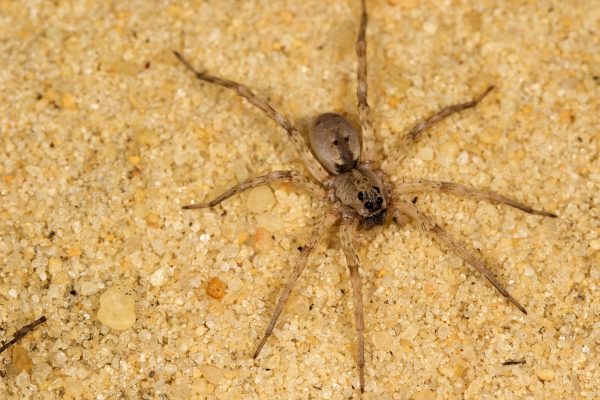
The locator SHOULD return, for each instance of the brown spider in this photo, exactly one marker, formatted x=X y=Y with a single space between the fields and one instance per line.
x=356 y=190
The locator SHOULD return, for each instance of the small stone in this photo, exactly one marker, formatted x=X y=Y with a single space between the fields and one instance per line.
x=423 y=395
x=22 y=380
x=463 y=158
x=68 y=102
x=260 y=200
x=147 y=137
x=134 y=160
x=212 y=374
x=117 y=308
x=262 y=240
x=20 y=359
x=181 y=391
x=158 y=277
x=595 y=244
x=73 y=387
x=54 y=265
x=58 y=359
x=410 y=332
x=383 y=341
x=528 y=271
x=443 y=332
x=40 y=372
x=544 y=374
x=88 y=288
x=216 y=288
x=74 y=251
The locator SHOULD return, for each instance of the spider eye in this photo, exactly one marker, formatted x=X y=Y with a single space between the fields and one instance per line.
x=375 y=188
x=369 y=206
x=335 y=142
x=379 y=201
x=361 y=196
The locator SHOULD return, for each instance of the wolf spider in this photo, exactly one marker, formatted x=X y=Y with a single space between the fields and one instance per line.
x=357 y=191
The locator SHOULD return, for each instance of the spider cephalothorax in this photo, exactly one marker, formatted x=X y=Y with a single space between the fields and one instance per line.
x=361 y=190
x=355 y=190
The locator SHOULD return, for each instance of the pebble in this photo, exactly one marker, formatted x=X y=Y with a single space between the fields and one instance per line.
x=22 y=380
x=58 y=359
x=545 y=374
x=383 y=341
x=410 y=332
x=212 y=374
x=20 y=360
x=158 y=277
x=88 y=288
x=147 y=137
x=117 y=308
x=73 y=387
x=423 y=395
x=260 y=199
x=528 y=271
x=216 y=288
x=40 y=372
x=443 y=332
x=463 y=158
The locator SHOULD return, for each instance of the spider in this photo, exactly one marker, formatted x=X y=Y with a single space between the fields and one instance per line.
x=356 y=189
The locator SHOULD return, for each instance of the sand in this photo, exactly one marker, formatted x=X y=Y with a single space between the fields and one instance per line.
x=104 y=136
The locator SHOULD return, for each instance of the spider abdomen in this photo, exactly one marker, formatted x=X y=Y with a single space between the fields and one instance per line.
x=335 y=143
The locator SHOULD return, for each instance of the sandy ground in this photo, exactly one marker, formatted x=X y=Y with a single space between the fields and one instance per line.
x=105 y=136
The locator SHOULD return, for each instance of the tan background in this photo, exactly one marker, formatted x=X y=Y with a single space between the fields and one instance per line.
x=104 y=136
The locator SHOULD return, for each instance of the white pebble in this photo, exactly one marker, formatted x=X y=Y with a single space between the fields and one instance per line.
x=463 y=158
x=58 y=359
x=443 y=332
x=158 y=277
x=88 y=288
x=22 y=380
x=117 y=308
x=528 y=271
x=260 y=200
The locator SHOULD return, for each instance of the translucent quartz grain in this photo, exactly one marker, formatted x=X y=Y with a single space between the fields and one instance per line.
x=260 y=200
x=117 y=308
x=20 y=361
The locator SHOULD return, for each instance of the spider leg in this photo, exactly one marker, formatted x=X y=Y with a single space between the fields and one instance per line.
x=423 y=185
x=316 y=234
x=277 y=176
x=307 y=158
x=347 y=233
x=458 y=248
x=364 y=112
x=415 y=132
